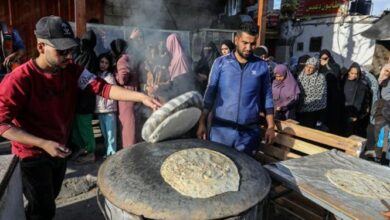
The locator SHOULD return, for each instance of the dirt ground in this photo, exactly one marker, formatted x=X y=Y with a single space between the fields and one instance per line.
x=77 y=199
x=78 y=196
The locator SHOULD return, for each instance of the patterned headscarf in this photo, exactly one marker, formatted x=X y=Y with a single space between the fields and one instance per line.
x=312 y=61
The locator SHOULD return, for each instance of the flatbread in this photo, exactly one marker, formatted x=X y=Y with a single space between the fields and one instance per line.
x=186 y=100
x=200 y=173
x=176 y=124
x=359 y=184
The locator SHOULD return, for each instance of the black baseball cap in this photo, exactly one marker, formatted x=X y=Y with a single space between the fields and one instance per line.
x=57 y=31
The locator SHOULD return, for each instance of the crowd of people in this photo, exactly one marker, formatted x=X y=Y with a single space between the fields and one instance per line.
x=48 y=103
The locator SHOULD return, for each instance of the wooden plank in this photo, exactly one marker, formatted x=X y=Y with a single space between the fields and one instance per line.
x=298 y=198
x=292 y=121
x=281 y=209
x=298 y=208
x=298 y=145
x=317 y=136
x=274 y=151
x=361 y=146
x=278 y=153
x=264 y=159
x=291 y=155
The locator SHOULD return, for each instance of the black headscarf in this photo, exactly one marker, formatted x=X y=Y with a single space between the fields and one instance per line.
x=355 y=91
x=118 y=47
x=207 y=59
x=332 y=68
x=88 y=59
x=87 y=56
x=229 y=44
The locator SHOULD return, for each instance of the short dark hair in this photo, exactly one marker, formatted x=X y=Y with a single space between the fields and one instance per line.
x=249 y=28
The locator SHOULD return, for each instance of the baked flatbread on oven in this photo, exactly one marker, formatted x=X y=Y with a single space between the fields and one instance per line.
x=176 y=124
x=200 y=173
x=165 y=117
x=358 y=183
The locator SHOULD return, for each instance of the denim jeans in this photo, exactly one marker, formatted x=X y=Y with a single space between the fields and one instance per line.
x=108 y=126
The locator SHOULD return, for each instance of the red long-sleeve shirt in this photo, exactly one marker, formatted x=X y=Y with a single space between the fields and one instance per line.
x=43 y=104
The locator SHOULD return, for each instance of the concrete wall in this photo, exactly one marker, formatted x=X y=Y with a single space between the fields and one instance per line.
x=341 y=36
x=162 y=14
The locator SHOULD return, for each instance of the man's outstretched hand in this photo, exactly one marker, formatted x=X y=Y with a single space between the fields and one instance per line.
x=151 y=103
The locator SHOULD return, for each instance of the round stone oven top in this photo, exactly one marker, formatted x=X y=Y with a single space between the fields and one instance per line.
x=131 y=180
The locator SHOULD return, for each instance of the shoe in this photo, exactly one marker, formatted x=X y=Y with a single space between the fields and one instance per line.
x=89 y=158
x=80 y=152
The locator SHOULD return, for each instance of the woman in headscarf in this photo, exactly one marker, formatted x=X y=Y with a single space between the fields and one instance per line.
x=313 y=95
x=82 y=132
x=285 y=91
x=300 y=65
x=179 y=63
x=227 y=46
x=126 y=77
x=331 y=70
x=383 y=80
x=328 y=65
x=357 y=97
x=182 y=79
x=203 y=66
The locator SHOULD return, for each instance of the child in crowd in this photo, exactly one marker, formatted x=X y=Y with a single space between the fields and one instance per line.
x=106 y=109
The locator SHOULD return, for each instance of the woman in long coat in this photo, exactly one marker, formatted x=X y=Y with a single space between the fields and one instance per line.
x=126 y=77
x=357 y=102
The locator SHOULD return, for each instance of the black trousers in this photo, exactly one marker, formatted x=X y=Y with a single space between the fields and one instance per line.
x=42 y=179
x=310 y=119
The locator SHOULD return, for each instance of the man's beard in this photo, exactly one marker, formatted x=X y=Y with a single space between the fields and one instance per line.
x=54 y=66
x=242 y=54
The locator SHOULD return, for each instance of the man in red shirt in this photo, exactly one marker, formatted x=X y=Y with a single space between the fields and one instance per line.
x=37 y=105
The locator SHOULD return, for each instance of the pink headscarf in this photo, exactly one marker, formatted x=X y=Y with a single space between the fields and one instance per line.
x=287 y=90
x=179 y=64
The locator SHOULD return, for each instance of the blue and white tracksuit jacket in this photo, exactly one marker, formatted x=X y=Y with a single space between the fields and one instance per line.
x=236 y=97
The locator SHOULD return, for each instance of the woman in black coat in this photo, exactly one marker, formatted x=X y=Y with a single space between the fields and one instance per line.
x=331 y=70
x=357 y=98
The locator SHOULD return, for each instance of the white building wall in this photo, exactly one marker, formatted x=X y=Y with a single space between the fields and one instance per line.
x=341 y=37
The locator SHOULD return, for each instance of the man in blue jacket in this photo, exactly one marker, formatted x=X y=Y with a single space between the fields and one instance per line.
x=239 y=89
